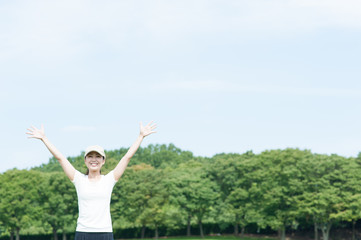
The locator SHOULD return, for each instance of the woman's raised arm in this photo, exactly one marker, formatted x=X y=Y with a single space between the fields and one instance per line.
x=65 y=164
x=122 y=165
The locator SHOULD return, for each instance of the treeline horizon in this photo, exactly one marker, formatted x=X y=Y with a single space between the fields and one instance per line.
x=170 y=189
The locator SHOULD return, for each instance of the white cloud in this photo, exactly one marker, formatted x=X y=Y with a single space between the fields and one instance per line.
x=78 y=128
x=332 y=13
x=187 y=85
x=68 y=28
x=302 y=91
x=220 y=86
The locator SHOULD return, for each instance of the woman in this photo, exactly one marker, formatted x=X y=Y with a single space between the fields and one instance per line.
x=93 y=189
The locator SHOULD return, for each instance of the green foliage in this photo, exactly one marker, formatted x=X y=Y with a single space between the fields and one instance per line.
x=234 y=174
x=19 y=201
x=165 y=187
x=58 y=199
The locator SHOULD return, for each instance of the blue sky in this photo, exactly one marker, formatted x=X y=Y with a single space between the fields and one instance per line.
x=216 y=76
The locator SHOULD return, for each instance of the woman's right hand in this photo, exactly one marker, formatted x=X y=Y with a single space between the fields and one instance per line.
x=36 y=133
x=65 y=164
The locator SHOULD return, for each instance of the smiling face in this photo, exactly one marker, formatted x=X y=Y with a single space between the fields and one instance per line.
x=94 y=161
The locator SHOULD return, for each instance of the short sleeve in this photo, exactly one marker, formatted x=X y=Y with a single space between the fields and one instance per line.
x=77 y=177
x=110 y=178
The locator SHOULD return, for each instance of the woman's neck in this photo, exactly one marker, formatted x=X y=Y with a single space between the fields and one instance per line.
x=94 y=175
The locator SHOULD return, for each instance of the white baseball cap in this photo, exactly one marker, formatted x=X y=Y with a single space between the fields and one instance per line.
x=95 y=148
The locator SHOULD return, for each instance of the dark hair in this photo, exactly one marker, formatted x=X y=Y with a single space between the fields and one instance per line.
x=87 y=170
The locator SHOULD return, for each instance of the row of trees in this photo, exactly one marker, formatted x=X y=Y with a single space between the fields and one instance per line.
x=169 y=188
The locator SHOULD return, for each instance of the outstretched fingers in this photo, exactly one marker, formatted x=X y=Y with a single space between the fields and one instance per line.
x=148 y=129
x=30 y=132
x=149 y=125
x=35 y=132
x=152 y=126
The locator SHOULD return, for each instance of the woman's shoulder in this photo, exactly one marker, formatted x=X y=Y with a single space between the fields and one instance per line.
x=109 y=173
x=78 y=175
x=110 y=176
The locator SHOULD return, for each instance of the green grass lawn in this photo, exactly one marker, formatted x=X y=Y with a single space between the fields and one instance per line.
x=213 y=238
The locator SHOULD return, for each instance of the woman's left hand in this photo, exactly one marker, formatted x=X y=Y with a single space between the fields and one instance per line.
x=147 y=129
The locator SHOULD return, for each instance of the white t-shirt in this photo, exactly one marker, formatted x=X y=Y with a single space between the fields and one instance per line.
x=94 y=202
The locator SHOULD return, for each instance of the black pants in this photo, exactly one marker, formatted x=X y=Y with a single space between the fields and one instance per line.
x=94 y=236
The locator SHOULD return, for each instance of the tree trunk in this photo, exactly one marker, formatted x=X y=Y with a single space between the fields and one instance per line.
x=189 y=226
x=55 y=235
x=156 y=232
x=353 y=230
x=282 y=233
x=315 y=230
x=243 y=228
x=201 y=228
x=143 y=232
x=12 y=235
x=17 y=232
x=64 y=235
x=236 y=229
x=326 y=231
